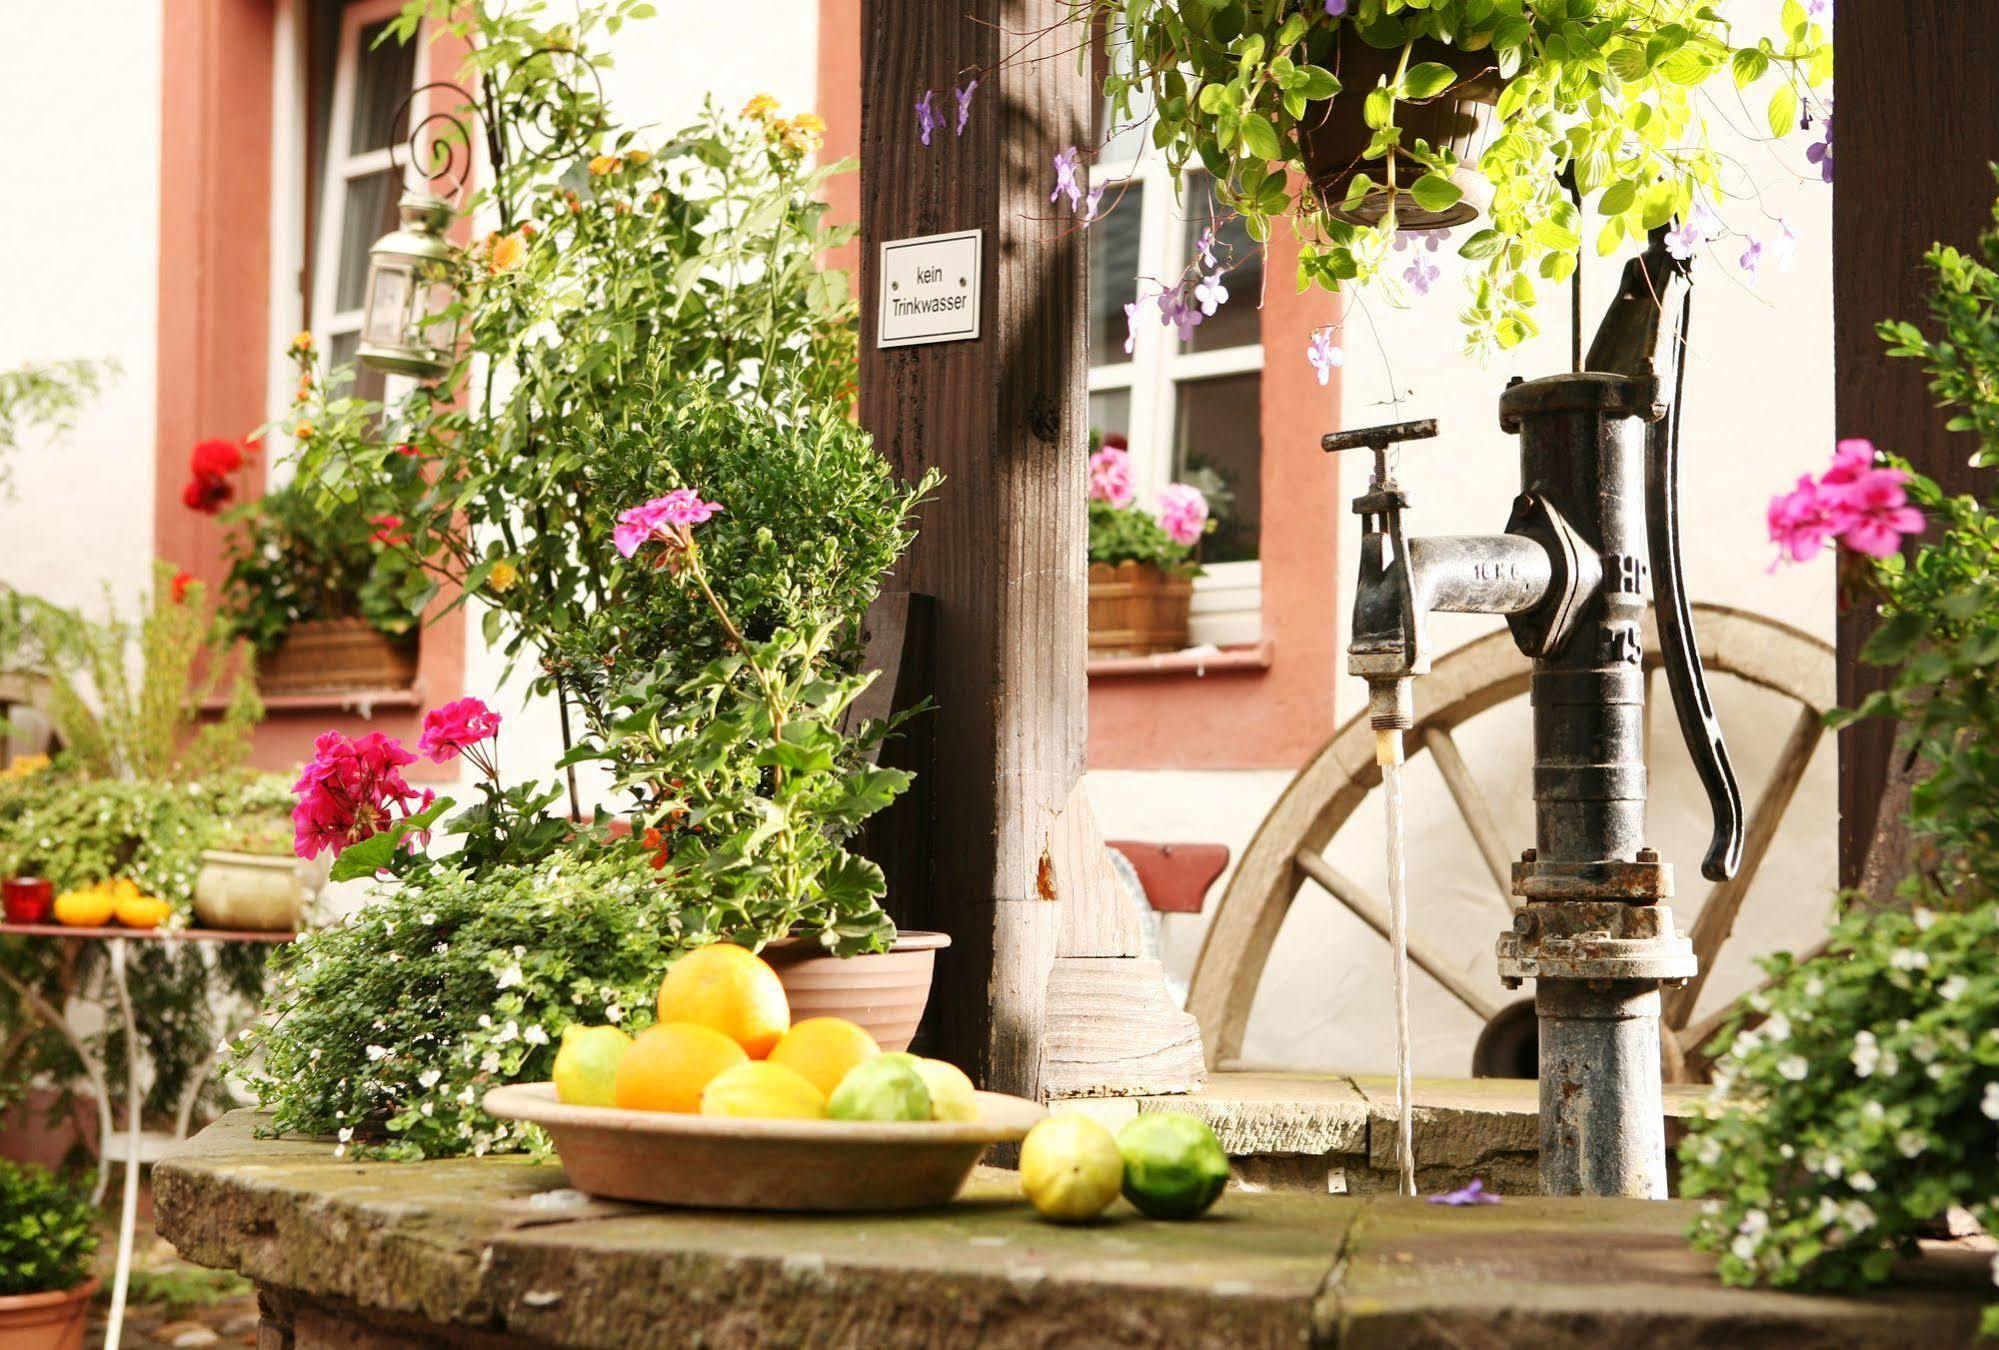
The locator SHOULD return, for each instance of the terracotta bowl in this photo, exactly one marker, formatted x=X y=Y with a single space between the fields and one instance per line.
x=716 y=1162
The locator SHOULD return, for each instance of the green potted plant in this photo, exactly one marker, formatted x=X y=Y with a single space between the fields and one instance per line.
x=48 y=1237
x=252 y=879
x=1357 y=119
x=1142 y=565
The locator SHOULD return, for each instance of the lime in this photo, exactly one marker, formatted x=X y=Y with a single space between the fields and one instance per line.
x=586 y=1067
x=1070 y=1168
x=1174 y=1167
x=883 y=1088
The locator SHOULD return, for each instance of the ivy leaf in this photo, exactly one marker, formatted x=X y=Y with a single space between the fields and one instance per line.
x=1434 y=192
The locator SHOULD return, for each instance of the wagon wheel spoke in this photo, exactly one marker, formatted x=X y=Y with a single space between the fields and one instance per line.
x=1375 y=915
x=1694 y=1041
x=1476 y=811
x=1717 y=917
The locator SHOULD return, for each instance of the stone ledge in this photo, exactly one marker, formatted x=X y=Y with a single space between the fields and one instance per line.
x=460 y=1254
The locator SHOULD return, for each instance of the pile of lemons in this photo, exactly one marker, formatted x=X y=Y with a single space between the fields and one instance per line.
x=121 y=900
x=1168 y=1164
x=725 y=1045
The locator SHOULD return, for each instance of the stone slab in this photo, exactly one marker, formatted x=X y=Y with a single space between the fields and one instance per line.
x=1267 y=1113
x=463 y=1253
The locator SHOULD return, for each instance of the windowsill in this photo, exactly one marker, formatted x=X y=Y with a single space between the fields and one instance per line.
x=333 y=700
x=1250 y=657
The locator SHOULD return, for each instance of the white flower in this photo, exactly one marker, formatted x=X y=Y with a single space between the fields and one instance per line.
x=1778 y=1028
x=345 y=1134
x=441 y=948
x=1924 y=918
x=491 y=1062
x=1873 y=1110
x=614 y=1014
x=1910 y=1144
x=426 y=1110
x=1793 y=1067
x=534 y=1035
x=427 y=918
x=1989 y=1103
x=378 y=1053
x=1909 y=958
x=1858 y=1216
x=510 y=1032
x=429 y=1079
x=1709 y=1151
x=510 y=976
x=1953 y=988
x=1862 y=1181
x=485 y=1022
x=1866 y=1054
x=1814 y=987
x=312 y=1057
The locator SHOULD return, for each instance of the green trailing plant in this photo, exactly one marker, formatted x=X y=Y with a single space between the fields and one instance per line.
x=1860 y=1092
x=1602 y=103
x=384 y=1032
x=48 y=1232
x=46 y=396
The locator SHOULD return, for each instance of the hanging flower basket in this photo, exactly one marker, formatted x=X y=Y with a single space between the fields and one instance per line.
x=1334 y=135
x=1137 y=609
x=324 y=656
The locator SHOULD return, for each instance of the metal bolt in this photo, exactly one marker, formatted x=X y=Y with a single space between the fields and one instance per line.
x=1648 y=855
x=1526 y=923
x=1528 y=855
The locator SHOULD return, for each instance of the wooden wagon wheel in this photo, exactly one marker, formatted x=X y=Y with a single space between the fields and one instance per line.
x=1288 y=848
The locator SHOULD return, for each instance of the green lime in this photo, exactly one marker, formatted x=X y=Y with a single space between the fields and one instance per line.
x=1070 y=1168
x=1174 y=1167
x=882 y=1088
x=586 y=1067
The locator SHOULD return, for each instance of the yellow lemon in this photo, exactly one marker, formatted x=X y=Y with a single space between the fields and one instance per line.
x=124 y=888
x=669 y=1066
x=952 y=1096
x=142 y=911
x=760 y=1088
x=730 y=989
x=586 y=1067
x=824 y=1049
x=91 y=908
x=1070 y=1168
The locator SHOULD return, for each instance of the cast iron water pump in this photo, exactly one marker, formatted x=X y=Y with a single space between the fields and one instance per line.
x=1595 y=527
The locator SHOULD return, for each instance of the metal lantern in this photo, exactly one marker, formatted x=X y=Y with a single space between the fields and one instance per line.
x=405 y=325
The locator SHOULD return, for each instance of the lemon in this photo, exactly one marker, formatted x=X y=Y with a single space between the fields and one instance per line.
x=760 y=1088
x=884 y=1088
x=731 y=989
x=586 y=1067
x=1174 y=1167
x=1070 y=1168
x=824 y=1049
x=952 y=1096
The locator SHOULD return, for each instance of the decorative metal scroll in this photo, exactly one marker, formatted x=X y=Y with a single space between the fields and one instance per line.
x=553 y=117
x=439 y=144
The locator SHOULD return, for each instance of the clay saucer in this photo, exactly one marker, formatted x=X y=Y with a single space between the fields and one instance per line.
x=722 y=1162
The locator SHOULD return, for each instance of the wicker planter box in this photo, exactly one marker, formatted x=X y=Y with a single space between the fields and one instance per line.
x=1137 y=609
x=325 y=656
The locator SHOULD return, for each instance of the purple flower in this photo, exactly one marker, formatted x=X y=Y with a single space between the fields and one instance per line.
x=1819 y=152
x=1204 y=247
x=1065 y=178
x=1131 y=312
x=1752 y=259
x=1431 y=240
x=1177 y=311
x=1422 y=274
x=1692 y=231
x=1211 y=294
x=1473 y=1194
x=1324 y=355
x=1784 y=247
x=1335 y=8
x=964 y=97
x=1818 y=7
x=927 y=118
x=1088 y=210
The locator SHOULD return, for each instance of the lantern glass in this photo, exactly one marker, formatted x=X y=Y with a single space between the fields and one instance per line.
x=405 y=326
x=386 y=317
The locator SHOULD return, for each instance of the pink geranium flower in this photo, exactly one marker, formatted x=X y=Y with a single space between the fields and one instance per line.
x=668 y=519
x=1875 y=514
x=1110 y=476
x=1860 y=502
x=1183 y=513
x=350 y=791
x=460 y=727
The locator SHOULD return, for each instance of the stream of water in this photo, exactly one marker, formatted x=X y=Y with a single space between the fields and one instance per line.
x=1398 y=941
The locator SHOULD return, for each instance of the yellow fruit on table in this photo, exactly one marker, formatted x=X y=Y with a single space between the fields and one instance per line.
x=730 y=989
x=824 y=1049
x=142 y=911
x=760 y=1088
x=668 y=1066
x=1070 y=1168
x=586 y=1067
x=952 y=1096
x=91 y=908
x=124 y=888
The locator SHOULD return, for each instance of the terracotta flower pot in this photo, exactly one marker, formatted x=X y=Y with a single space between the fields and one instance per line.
x=46 y=1321
x=1334 y=135
x=323 y=656
x=883 y=991
x=1137 y=609
x=28 y=899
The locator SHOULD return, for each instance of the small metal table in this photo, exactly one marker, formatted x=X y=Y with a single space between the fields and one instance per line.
x=115 y=941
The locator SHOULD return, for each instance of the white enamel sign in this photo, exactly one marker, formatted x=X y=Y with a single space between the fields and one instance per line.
x=929 y=289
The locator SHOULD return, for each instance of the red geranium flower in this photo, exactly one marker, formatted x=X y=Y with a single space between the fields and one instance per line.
x=207 y=493
x=388 y=530
x=215 y=458
x=177 y=588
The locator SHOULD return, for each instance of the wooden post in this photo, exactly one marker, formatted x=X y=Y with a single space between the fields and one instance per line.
x=1909 y=75
x=1016 y=870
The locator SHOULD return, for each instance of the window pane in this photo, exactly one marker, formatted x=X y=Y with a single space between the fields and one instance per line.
x=1237 y=323
x=367 y=383
x=368 y=213
x=1114 y=272
x=1218 y=448
x=1110 y=413
x=383 y=76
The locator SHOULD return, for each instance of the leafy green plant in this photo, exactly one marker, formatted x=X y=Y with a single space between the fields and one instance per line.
x=48 y=1232
x=1601 y=94
x=1128 y=534
x=384 y=1032
x=48 y=396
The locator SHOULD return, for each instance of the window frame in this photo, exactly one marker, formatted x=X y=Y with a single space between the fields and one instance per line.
x=1227 y=605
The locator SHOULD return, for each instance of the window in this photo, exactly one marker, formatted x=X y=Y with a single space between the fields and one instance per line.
x=1189 y=410
x=359 y=186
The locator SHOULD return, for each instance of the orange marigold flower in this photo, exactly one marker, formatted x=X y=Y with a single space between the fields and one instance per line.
x=508 y=252
x=637 y=156
x=503 y=576
x=604 y=164
x=303 y=431
x=763 y=105
x=302 y=343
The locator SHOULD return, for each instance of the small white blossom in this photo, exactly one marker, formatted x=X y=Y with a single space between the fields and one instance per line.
x=1873 y=1110
x=510 y=977
x=1866 y=1054
x=1778 y=1028
x=427 y=918
x=1793 y=1068
x=1862 y=1181
x=1989 y=1103
x=378 y=1053
x=1924 y=918
x=428 y=1079
x=510 y=1032
x=491 y=1062
x=1910 y=1144
x=614 y=1014
x=1953 y=988
x=1709 y=1151
x=1858 y=1216
x=534 y=1035
x=485 y=1022
x=1814 y=988
x=345 y=1134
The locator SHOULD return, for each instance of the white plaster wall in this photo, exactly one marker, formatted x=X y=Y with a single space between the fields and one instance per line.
x=79 y=243
x=1759 y=413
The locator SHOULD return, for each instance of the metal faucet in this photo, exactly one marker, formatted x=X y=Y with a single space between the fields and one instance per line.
x=1594 y=528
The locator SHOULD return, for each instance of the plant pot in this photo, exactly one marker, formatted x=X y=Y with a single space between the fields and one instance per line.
x=882 y=991
x=1137 y=609
x=1334 y=135
x=46 y=1321
x=250 y=892
x=27 y=899
x=337 y=655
